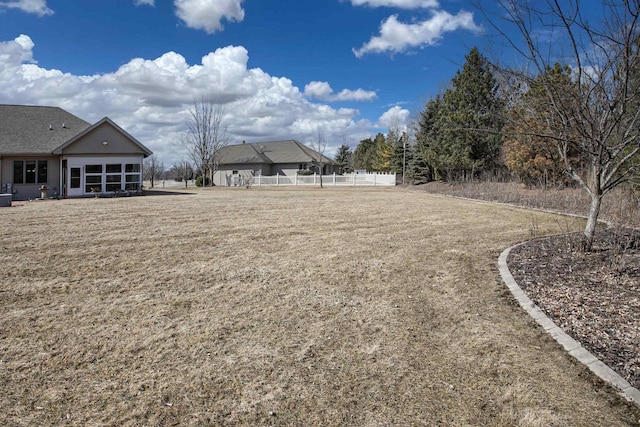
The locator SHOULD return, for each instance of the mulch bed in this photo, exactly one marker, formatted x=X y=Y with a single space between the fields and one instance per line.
x=593 y=296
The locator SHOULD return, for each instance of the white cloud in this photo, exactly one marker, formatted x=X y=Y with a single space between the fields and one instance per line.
x=395 y=117
x=17 y=51
x=144 y=2
x=396 y=36
x=150 y=97
x=401 y=4
x=38 y=7
x=324 y=92
x=208 y=14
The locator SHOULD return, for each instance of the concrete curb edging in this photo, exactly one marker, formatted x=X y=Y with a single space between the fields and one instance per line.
x=573 y=347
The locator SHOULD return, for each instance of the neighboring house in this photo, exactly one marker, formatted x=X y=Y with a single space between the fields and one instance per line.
x=267 y=159
x=47 y=147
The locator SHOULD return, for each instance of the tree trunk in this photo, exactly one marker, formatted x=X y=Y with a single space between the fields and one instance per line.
x=592 y=221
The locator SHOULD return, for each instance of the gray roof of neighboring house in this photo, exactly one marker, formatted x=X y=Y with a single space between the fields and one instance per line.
x=26 y=129
x=289 y=151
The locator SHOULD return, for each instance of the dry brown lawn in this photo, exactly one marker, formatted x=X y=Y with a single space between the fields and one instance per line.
x=278 y=307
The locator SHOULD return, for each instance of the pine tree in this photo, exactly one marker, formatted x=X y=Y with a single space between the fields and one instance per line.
x=460 y=131
x=430 y=150
x=364 y=155
x=344 y=159
x=418 y=172
x=397 y=141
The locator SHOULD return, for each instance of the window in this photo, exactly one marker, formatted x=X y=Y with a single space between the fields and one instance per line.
x=132 y=167
x=18 y=171
x=75 y=178
x=114 y=177
x=93 y=169
x=42 y=171
x=30 y=172
x=133 y=182
x=132 y=176
x=93 y=178
x=111 y=177
x=114 y=168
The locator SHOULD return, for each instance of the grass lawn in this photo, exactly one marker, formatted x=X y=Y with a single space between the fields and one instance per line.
x=305 y=306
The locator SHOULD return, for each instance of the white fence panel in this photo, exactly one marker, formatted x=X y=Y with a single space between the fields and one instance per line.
x=359 y=179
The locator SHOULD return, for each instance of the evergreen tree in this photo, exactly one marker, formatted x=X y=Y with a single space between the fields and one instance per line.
x=364 y=155
x=475 y=113
x=460 y=131
x=418 y=171
x=397 y=140
x=344 y=159
x=430 y=150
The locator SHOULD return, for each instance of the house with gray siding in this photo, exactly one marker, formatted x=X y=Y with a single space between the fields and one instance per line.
x=235 y=163
x=50 y=148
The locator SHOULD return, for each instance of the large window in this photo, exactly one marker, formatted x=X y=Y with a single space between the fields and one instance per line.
x=114 y=177
x=93 y=178
x=109 y=177
x=132 y=176
x=30 y=172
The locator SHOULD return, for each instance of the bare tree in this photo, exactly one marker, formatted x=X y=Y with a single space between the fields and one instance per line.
x=597 y=115
x=182 y=170
x=319 y=146
x=205 y=135
x=153 y=168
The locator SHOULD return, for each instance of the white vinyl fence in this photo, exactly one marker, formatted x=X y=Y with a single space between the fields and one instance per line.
x=352 y=179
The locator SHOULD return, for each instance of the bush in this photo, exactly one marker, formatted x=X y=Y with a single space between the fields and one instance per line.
x=199 y=181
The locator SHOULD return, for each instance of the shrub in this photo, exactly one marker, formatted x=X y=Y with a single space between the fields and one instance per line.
x=199 y=181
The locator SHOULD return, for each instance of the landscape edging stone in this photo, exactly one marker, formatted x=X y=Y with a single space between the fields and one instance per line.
x=573 y=347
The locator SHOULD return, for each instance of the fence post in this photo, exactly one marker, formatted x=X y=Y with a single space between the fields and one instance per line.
x=375 y=175
x=334 y=178
x=314 y=178
x=354 y=178
x=296 y=179
x=260 y=180
x=277 y=179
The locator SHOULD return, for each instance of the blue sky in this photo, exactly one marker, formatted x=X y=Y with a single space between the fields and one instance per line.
x=281 y=68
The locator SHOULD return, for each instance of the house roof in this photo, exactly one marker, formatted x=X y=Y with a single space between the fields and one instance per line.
x=36 y=130
x=289 y=151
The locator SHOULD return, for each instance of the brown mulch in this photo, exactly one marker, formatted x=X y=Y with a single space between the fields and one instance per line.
x=593 y=296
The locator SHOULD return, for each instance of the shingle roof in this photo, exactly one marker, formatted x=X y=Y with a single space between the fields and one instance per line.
x=242 y=154
x=25 y=129
x=289 y=151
